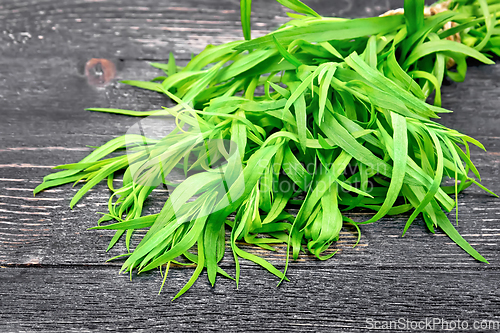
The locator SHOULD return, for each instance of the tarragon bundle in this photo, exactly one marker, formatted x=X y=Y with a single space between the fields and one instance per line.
x=320 y=117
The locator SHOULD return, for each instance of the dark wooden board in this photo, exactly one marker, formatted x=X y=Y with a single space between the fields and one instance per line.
x=53 y=274
x=316 y=300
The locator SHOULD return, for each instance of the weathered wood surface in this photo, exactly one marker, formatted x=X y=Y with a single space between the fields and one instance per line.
x=53 y=275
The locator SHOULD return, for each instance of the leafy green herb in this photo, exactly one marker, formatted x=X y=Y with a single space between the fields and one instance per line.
x=342 y=124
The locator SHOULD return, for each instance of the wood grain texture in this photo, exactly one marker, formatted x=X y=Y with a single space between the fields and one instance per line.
x=53 y=274
x=316 y=300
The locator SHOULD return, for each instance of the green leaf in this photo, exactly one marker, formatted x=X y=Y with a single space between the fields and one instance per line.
x=443 y=46
x=327 y=30
x=299 y=7
x=341 y=137
x=403 y=77
x=137 y=223
x=144 y=85
x=323 y=94
x=444 y=223
x=400 y=156
x=414 y=15
x=433 y=189
x=289 y=57
x=131 y=112
x=212 y=231
x=171 y=67
x=294 y=169
x=299 y=106
x=388 y=86
x=246 y=12
x=197 y=271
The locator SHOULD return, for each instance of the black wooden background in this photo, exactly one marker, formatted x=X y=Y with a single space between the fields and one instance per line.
x=53 y=274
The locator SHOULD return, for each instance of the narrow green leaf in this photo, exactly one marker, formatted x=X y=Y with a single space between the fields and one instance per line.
x=399 y=156
x=299 y=7
x=414 y=15
x=246 y=12
x=443 y=46
x=327 y=30
x=287 y=55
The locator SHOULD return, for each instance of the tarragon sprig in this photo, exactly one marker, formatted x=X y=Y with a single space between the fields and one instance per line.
x=324 y=114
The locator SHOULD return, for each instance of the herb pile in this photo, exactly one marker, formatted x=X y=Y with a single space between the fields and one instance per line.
x=324 y=115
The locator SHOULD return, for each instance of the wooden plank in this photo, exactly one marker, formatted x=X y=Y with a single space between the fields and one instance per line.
x=30 y=139
x=29 y=158
x=44 y=229
x=54 y=270
x=145 y=29
x=475 y=102
x=316 y=300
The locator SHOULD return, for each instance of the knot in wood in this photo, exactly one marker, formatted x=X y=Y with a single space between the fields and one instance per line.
x=99 y=72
